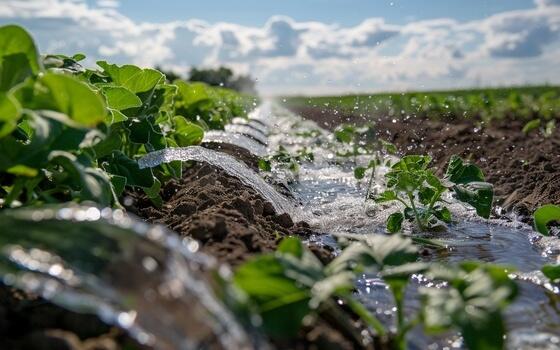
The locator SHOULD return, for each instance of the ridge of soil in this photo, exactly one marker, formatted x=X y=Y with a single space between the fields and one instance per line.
x=234 y=223
x=524 y=169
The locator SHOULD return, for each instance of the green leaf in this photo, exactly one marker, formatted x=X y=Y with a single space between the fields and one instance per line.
x=14 y=40
x=544 y=215
x=192 y=93
x=386 y=196
x=389 y=147
x=460 y=173
x=394 y=222
x=120 y=164
x=93 y=184
x=375 y=251
x=132 y=77
x=187 y=133
x=120 y=98
x=23 y=170
x=345 y=134
x=291 y=245
x=281 y=303
x=119 y=183
x=477 y=194
x=443 y=214
x=552 y=272
x=473 y=302
x=359 y=172
x=70 y=96
x=531 y=125
x=264 y=165
x=10 y=112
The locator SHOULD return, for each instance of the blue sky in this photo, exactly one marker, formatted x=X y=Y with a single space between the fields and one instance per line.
x=312 y=46
x=345 y=12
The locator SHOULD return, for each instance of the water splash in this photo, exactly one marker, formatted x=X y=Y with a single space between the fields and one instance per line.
x=328 y=190
x=239 y=140
x=248 y=131
x=252 y=123
x=141 y=278
x=230 y=165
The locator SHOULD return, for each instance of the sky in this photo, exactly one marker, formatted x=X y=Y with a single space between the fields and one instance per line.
x=312 y=47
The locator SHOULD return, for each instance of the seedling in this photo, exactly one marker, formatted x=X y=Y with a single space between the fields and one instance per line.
x=542 y=217
x=287 y=160
x=411 y=183
x=292 y=285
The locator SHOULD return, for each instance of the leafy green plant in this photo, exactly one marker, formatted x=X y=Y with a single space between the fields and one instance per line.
x=285 y=159
x=473 y=301
x=70 y=133
x=542 y=217
x=411 y=183
x=292 y=285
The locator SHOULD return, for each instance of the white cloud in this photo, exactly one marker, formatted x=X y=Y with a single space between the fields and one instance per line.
x=310 y=57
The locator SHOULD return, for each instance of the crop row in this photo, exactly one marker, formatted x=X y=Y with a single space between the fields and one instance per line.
x=525 y=103
x=68 y=133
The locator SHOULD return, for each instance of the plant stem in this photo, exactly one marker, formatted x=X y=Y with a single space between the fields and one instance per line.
x=366 y=316
x=411 y=198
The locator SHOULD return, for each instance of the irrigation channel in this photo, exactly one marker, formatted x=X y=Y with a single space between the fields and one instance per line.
x=119 y=258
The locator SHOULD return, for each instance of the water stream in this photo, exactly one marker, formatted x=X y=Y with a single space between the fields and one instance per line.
x=231 y=166
x=335 y=201
x=239 y=140
x=141 y=278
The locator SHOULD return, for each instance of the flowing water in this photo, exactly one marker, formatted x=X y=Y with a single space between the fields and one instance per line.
x=239 y=140
x=230 y=165
x=141 y=278
x=328 y=191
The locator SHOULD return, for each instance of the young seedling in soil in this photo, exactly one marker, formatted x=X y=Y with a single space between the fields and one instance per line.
x=292 y=285
x=286 y=159
x=542 y=218
x=420 y=191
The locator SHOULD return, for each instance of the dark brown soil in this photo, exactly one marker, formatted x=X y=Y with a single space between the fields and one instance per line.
x=525 y=169
x=233 y=223
x=231 y=220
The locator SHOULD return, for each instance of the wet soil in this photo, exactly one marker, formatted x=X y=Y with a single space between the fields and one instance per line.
x=524 y=169
x=233 y=223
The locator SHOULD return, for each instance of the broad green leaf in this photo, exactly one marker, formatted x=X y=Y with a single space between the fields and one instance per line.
x=359 y=172
x=552 y=272
x=281 y=303
x=291 y=245
x=16 y=42
x=187 y=133
x=394 y=222
x=345 y=134
x=70 y=96
x=93 y=184
x=477 y=194
x=460 y=173
x=153 y=193
x=544 y=215
x=192 y=93
x=120 y=98
x=132 y=77
x=389 y=147
x=386 y=197
x=10 y=113
x=119 y=164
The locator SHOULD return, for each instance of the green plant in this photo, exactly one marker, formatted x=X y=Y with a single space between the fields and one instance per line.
x=473 y=301
x=411 y=183
x=285 y=159
x=291 y=285
x=542 y=217
x=70 y=133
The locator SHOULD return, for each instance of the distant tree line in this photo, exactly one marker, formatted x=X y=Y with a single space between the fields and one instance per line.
x=221 y=76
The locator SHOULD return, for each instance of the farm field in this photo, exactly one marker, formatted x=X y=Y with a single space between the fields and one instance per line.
x=143 y=210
